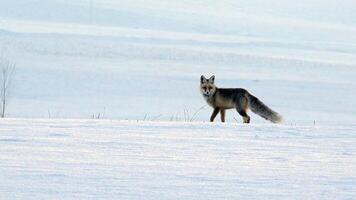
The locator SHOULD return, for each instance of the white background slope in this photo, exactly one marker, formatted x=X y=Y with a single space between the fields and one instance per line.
x=130 y=59
x=78 y=159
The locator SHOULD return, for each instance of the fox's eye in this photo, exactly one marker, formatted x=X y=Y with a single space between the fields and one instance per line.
x=204 y=88
x=210 y=88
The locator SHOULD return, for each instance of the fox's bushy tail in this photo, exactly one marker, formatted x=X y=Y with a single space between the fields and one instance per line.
x=262 y=110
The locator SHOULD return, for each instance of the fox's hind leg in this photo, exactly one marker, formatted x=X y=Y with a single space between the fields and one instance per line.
x=244 y=115
x=222 y=115
x=215 y=112
x=241 y=107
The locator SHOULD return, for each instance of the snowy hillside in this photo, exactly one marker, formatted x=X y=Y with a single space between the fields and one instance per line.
x=136 y=65
x=103 y=159
x=131 y=59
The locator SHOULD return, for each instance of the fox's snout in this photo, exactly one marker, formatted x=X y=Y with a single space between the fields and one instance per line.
x=207 y=90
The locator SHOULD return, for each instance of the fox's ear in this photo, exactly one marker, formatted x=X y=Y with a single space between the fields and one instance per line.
x=202 y=79
x=212 y=79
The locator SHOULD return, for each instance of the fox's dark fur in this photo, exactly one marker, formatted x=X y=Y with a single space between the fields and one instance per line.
x=240 y=99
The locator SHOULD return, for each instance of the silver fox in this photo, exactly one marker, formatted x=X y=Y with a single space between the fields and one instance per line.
x=222 y=99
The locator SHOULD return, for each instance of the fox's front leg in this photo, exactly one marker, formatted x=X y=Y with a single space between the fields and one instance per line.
x=215 y=112
x=222 y=115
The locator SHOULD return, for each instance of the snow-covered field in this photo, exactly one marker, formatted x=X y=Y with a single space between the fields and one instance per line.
x=140 y=62
x=105 y=159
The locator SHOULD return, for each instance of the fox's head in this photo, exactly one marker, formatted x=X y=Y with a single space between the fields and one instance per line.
x=207 y=86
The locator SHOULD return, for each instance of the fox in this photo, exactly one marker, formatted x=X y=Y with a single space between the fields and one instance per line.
x=222 y=99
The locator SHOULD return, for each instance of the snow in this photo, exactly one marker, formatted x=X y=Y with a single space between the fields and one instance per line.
x=108 y=159
x=137 y=64
x=129 y=59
